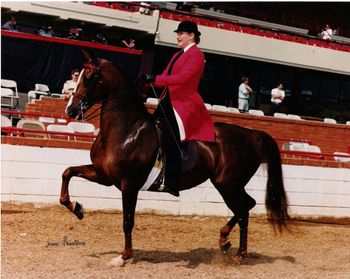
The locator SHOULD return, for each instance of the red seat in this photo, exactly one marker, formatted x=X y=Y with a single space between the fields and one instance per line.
x=203 y=21
x=269 y=34
x=213 y=23
x=100 y=4
x=165 y=14
x=227 y=26
x=117 y=6
x=300 y=40
x=236 y=28
x=177 y=17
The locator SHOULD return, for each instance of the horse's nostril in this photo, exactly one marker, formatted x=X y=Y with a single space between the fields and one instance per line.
x=72 y=112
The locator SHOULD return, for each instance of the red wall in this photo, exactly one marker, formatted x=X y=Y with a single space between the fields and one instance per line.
x=329 y=137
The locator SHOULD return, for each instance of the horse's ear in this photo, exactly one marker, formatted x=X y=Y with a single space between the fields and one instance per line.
x=89 y=56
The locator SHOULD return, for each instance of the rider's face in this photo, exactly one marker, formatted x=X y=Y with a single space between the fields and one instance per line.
x=184 y=39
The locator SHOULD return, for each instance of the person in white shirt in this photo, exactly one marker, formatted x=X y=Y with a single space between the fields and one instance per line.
x=327 y=33
x=277 y=96
x=69 y=85
x=244 y=92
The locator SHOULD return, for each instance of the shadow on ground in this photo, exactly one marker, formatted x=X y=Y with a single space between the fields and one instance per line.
x=198 y=256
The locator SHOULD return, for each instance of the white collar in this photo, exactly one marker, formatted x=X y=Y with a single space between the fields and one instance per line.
x=188 y=47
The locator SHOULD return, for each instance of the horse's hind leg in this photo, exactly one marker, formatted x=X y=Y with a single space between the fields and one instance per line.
x=88 y=172
x=240 y=203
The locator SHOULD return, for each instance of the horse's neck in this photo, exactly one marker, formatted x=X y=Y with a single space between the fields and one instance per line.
x=123 y=113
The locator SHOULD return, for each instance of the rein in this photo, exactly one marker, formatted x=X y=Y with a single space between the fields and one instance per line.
x=166 y=119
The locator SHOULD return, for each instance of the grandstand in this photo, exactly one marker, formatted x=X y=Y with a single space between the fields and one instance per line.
x=280 y=45
x=242 y=40
x=312 y=130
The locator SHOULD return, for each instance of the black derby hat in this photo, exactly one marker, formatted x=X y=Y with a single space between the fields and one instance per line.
x=189 y=27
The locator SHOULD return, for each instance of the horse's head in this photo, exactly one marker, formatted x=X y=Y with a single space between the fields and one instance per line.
x=91 y=86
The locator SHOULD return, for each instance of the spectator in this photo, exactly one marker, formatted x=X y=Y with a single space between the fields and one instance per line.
x=46 y=31
x=11 y=25
x=327 y=33
x=77 y=33
x=144 y=8
x=277 y=96
x=244 y=92
x=130 y=44
x=100 y=38
x=70 y=85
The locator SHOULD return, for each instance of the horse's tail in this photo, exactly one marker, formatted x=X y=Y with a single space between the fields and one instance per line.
x=276 y=200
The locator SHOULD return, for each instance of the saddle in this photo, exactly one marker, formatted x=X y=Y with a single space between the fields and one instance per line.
x=189 y=150
x=189 y=155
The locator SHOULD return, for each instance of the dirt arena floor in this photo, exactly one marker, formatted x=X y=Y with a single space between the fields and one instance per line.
x=165 y=247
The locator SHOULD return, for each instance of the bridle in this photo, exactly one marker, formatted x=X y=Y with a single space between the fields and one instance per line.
x=85 y=103
x=93 y=79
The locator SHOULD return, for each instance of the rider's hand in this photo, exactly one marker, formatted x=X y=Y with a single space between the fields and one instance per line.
x=143 y=78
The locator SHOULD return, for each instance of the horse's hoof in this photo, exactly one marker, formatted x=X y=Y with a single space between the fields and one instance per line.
x=79 y=211
x=118 y=261
x=238 y=258
x=224 y=248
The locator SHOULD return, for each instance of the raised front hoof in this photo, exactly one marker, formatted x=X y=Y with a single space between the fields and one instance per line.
x=79 y=211
x=224 y=248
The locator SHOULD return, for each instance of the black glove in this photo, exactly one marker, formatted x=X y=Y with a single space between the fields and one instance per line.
x=143 y=78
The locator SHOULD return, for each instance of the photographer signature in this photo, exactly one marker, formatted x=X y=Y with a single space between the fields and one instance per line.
x=65 y=242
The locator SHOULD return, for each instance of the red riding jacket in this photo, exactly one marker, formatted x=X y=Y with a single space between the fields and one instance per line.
x=182 y=85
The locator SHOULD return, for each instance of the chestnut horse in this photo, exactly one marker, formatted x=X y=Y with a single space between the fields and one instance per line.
x=127 y=145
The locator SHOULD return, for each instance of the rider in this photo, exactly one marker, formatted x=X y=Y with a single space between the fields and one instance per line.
x=180 y=103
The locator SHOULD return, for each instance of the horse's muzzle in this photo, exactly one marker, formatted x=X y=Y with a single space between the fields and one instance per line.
x=72 y=111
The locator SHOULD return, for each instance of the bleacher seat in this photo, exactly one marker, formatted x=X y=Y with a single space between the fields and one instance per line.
x=81 y=127
x=117 y=6
x=208 y=106
x=5 y=121
x=280 y=115
x=60 y=128
x=341 y=159
x=256 y=112
x=294 y=117
x=100 y=4
x=166 y=14
x=233 y=110
x=269 y=35
x=32 y=125
x=315 y=149
x=46 y=119
x=298 y=146
x=39 y=90
x=219 y=108
x=152 y=101
x=9 y=91
x=329 y=121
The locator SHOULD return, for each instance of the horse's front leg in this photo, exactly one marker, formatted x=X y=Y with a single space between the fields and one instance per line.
x=88 y=172
x=129 y=196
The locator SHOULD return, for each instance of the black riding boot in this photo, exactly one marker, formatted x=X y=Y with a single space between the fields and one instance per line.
x=171 y=136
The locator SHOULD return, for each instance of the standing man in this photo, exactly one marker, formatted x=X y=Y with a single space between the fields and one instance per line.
x=186 y=117
x=277 y=96
x=327 y=33
x=244 y=92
